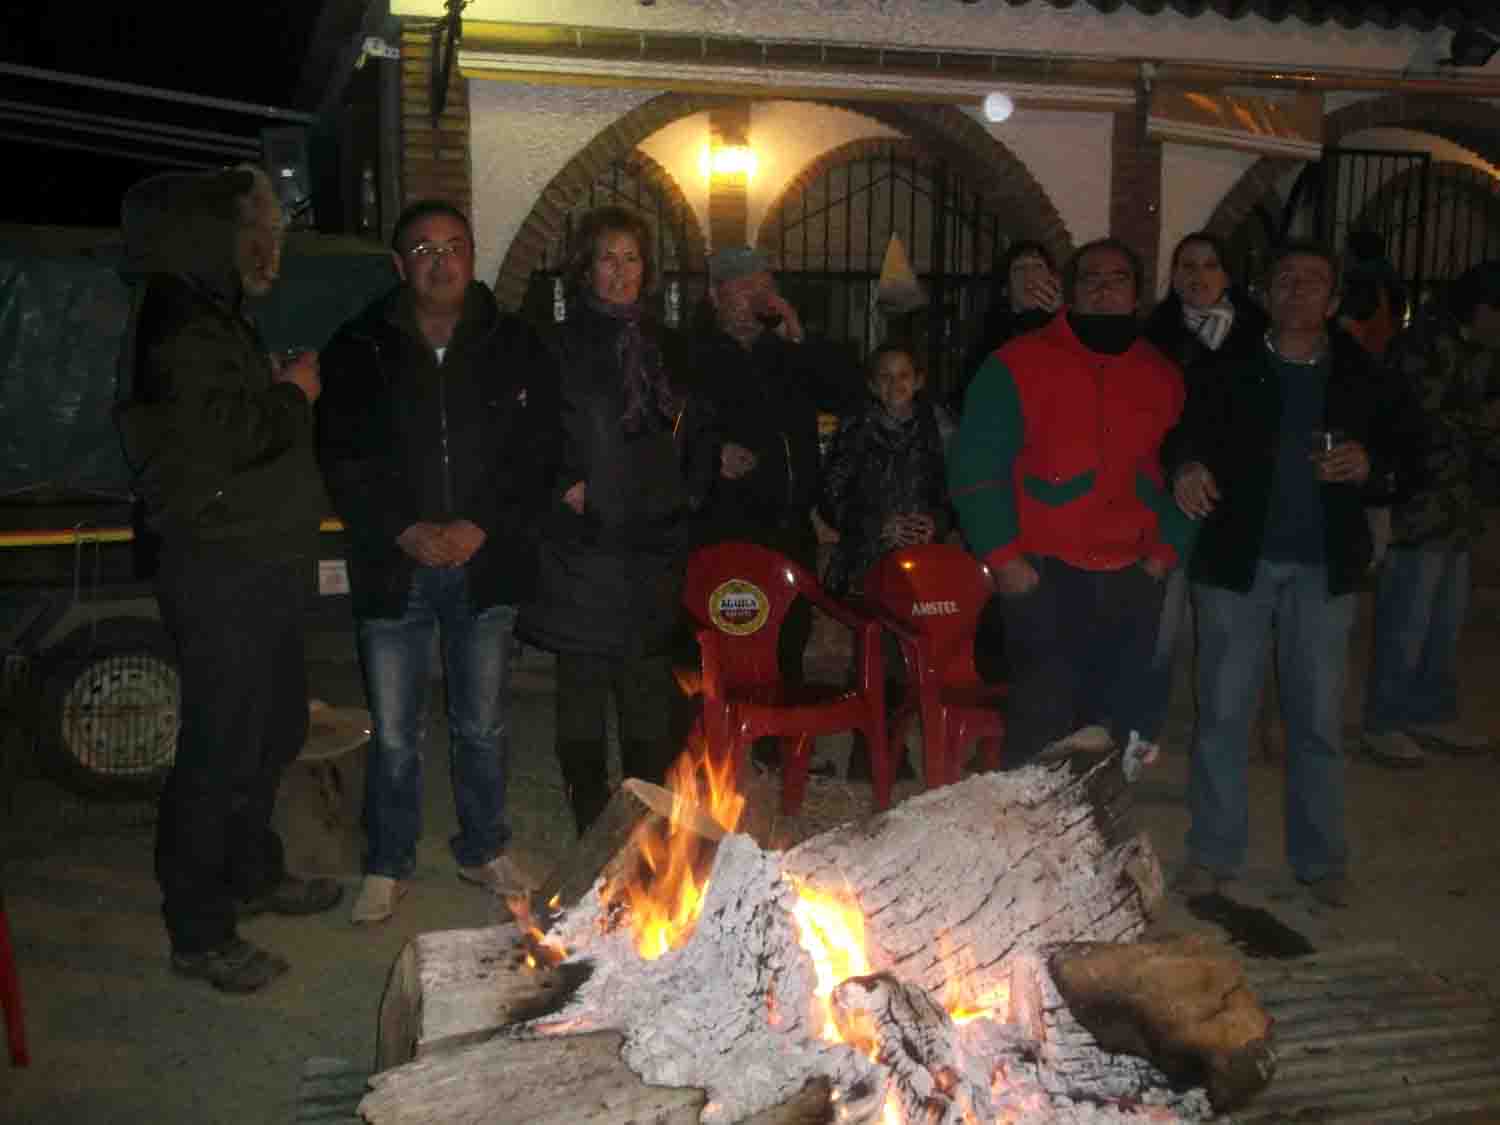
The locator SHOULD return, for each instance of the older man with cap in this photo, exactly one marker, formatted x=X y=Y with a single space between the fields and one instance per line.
x=764 y=381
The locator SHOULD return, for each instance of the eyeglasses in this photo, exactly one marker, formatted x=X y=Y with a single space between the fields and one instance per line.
x=432 y=251
x=1106 y=279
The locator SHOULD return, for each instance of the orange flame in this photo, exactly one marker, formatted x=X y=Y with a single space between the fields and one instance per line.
x=832 y=932
x=992 y=1005
x=665 y=896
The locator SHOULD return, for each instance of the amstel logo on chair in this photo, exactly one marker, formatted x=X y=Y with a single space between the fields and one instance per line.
x=738 y=607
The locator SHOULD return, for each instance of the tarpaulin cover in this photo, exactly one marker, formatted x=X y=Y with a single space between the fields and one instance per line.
x=63 y=308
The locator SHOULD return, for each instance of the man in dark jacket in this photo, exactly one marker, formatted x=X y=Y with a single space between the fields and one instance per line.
x=1421 y=601
x=758 y=374
x=1277 y=455
x=219 y=436
x=438 y=433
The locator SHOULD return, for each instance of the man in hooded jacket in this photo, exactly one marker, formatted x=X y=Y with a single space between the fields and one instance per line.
x=219 y=437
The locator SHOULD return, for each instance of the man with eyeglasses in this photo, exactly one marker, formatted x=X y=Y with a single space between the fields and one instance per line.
x=1277 y=457
x=1057 y=480
x=438 y=433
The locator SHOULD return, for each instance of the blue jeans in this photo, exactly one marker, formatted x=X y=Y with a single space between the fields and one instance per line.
x=397 y=658
x=1420 y=605
x=1234 y=631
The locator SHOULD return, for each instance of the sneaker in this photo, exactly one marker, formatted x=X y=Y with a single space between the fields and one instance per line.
x=1331 y=890
x=1137 y=755
x=1195 y=881
x=1450 y=738
x=378 y=896
x=1395 y=749
x=235 y=967
x=294 y=896
x=1092 y=739
x=500 y=876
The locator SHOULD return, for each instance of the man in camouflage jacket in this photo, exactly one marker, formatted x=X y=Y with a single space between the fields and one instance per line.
x=1411 y=699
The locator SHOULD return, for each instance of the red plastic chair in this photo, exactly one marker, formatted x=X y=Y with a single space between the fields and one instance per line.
x=931 y=598
x=10 y=996
x=738 y=595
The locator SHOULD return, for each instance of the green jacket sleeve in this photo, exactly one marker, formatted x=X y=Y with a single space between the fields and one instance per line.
x=981 y=465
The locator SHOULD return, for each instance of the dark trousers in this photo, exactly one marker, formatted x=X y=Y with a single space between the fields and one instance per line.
x=1079 y=647
x=238 y=628
x=644 y=692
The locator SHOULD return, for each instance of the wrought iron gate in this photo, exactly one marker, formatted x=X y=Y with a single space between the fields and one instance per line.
x=1434 y=218
x=830 y=240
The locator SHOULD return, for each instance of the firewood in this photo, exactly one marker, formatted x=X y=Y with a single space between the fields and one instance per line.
x=565 y=1080
x=604 y=848
x=1185 y=1005
x=569 y=1080
x=961 y=890
x=454 y=987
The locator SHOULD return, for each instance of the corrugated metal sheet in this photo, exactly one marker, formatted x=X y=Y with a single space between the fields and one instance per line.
x=1363 y=1035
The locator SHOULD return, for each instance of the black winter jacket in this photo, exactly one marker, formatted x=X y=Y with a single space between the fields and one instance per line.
x=610 y=579
x=879 y=467
x=759 y=398
x=1165 y=329
x=221 y=452
x=403 y=438
x=1232 y=425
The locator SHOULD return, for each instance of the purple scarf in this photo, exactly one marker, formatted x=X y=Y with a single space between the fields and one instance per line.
x=644 y=380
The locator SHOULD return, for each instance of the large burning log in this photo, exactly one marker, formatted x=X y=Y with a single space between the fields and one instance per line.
x=901 y=961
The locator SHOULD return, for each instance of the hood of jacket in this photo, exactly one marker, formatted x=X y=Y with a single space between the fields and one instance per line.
x=186 y=224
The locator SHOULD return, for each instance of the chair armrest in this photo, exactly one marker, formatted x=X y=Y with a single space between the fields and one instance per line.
x=853 y=614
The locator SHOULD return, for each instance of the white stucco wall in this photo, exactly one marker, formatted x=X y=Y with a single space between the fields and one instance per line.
x=1070 y=154
x=1194 y=179
x=521 y=137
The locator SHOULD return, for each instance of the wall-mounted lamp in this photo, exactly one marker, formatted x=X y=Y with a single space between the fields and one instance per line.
x=998 y=107
x=1471 y=47
x=727 y=160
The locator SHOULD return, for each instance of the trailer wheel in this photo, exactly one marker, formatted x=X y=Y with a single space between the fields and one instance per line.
x=108 y=709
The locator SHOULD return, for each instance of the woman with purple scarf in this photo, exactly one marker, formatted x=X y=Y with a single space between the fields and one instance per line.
x=615 y=539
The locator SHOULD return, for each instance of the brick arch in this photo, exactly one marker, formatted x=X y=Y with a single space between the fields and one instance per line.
x=944 y=131
x=1472 y=124
x=845 y=153
x=616 y=141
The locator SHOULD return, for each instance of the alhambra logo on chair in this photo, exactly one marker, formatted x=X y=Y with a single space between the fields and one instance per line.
x=738 y=607
x=933 y=609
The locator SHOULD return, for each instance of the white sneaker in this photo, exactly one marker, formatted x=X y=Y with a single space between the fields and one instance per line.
x=1088 y=740
x=1137 y=755
x=378 y=895
x=1395 y=749
x=501 y=876
x=1450 y=737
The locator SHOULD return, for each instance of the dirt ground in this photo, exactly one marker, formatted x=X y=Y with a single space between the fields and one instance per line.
x=116 y=1038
